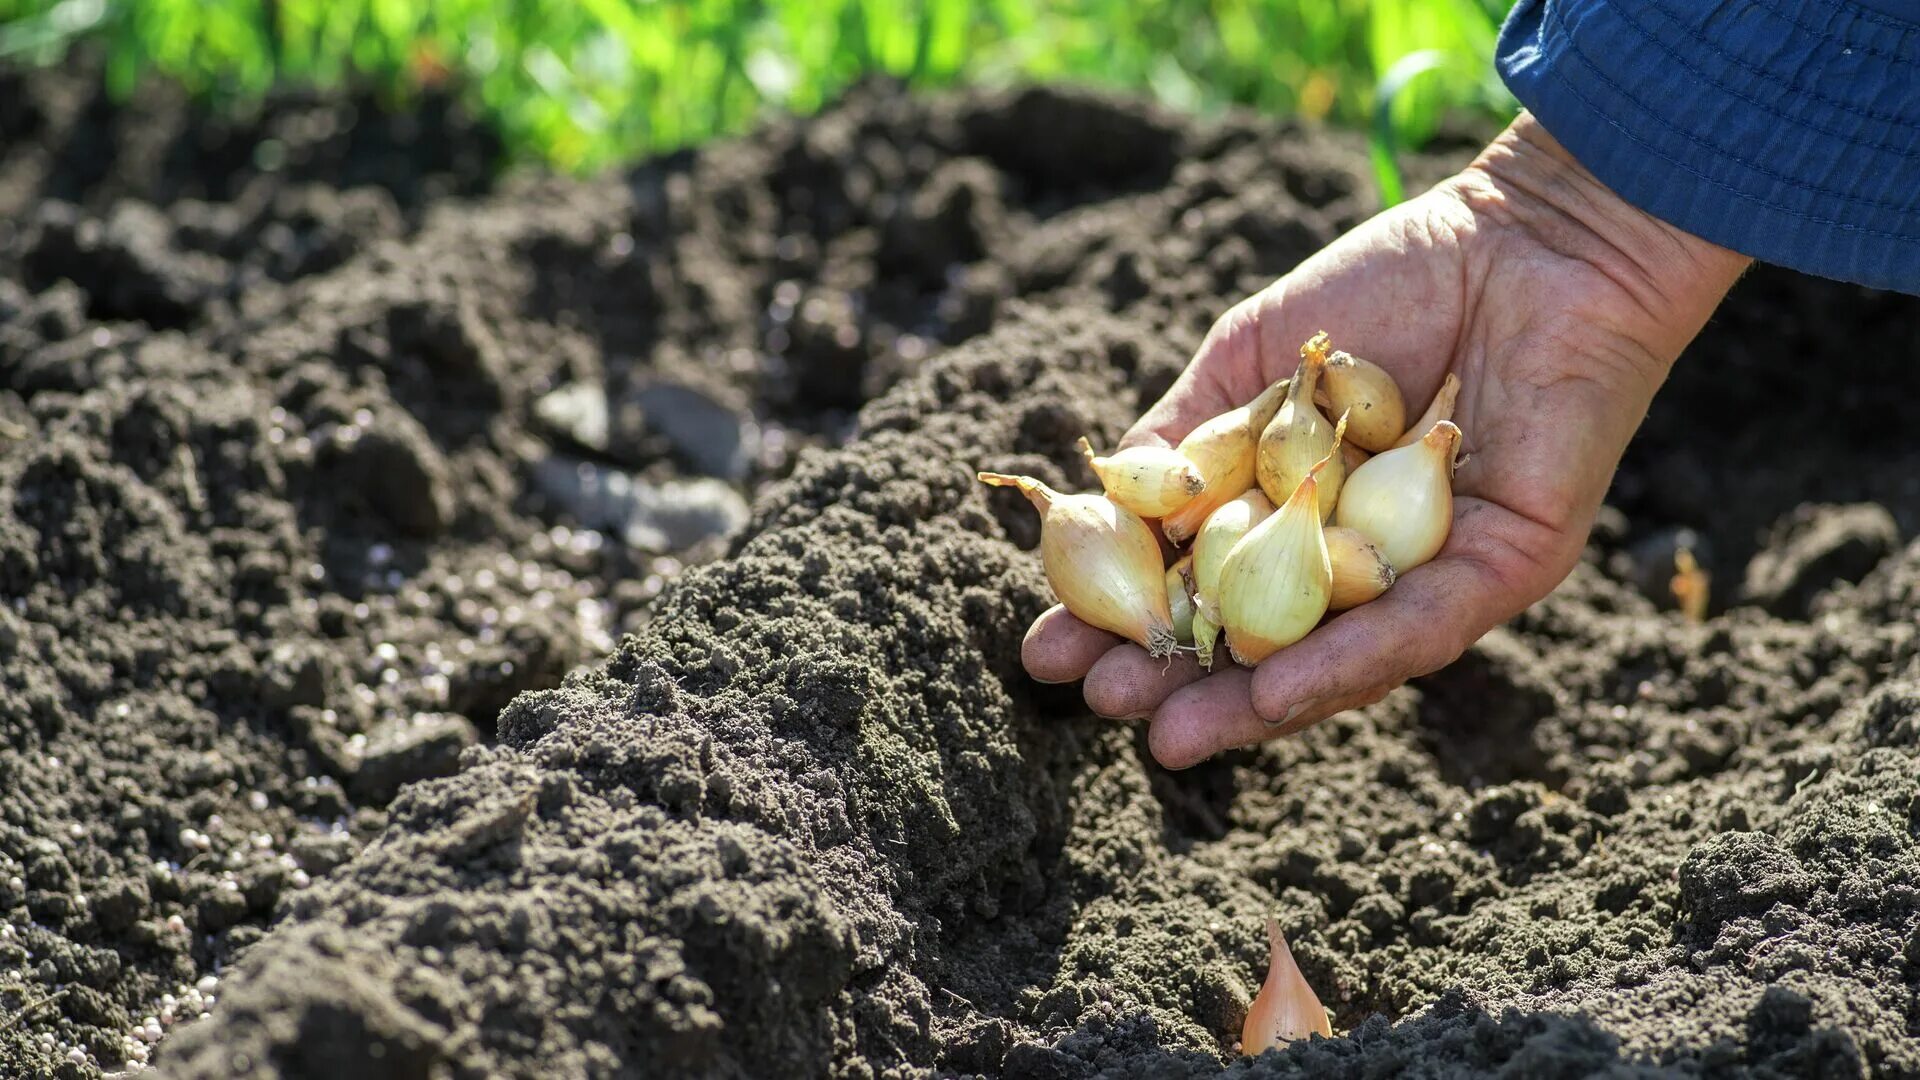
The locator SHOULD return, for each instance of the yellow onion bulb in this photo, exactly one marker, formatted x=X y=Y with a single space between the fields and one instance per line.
x=1402 y=500
x=1102 y=562
x=1360 y=572
x=1180 y=598
x=1216 y=539
x=1206 y=634
x=1299 y=437
x=1440 y=408
x=1278 y=580
x=1286 y=1009
x=1223 y=449
x=1151 y=481
x=1366 y=393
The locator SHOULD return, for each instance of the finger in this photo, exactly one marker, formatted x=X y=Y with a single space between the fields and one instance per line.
x=1200 y=720
x=1416 y=628
x=1310 y=717
x=1128 y=684
x=1429 y=617
x=1060 y=648
x=1217 y=713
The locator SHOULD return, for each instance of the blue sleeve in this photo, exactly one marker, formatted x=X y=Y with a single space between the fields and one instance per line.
x=1787 y=130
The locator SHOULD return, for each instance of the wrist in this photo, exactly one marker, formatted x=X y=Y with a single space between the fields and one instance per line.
x=1526 y=185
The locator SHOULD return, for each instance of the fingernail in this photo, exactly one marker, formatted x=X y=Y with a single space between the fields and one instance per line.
x=1298 y=710
x=1049 y=682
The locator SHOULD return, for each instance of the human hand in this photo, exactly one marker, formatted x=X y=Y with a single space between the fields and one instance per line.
x=1560 y=307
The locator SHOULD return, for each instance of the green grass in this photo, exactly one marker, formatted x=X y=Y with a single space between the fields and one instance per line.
x=582 y=84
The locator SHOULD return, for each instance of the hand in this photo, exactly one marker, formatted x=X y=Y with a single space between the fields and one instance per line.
x=1560 y=307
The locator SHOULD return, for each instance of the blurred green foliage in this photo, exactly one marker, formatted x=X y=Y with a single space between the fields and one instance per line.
x=586 y=83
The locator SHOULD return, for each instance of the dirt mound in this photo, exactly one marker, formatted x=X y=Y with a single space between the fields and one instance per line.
x=811 y=817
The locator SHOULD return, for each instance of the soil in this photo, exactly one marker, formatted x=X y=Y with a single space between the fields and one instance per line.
x=356 y=696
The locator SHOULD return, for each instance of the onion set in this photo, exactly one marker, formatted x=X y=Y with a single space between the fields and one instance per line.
x=1278 y=580
x=1223 y=449
x=1286 y=1009
x=1102 y=562
x=1151 y=481
x=1300 y=437
x=1313 y=498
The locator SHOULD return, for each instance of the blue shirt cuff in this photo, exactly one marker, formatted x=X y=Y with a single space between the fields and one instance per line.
x=1787 y=130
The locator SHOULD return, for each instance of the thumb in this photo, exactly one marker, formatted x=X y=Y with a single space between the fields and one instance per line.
x=1225 y=373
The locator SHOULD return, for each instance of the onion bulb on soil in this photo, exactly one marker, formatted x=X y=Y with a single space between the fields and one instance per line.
x=1102 y=561
x=1360 y=572
x=1441 y=408
x=1278 y=580
x=1286 y=1009
x=1151 y=481
x=1223 y=449
x=1690 y=585
x=1376 y=412
x=1299 y=437
x=1180 y=598
x=1402 y=500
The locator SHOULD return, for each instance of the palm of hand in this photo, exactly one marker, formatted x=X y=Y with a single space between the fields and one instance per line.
x=1559 y=340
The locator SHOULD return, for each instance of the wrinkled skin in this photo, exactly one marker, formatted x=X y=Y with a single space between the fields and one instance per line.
x=1561 y=308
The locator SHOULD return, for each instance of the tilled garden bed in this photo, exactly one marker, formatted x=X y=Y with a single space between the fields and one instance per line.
x=356 y=691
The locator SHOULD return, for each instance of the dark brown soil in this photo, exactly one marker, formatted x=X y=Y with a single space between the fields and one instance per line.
x=290 y=514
